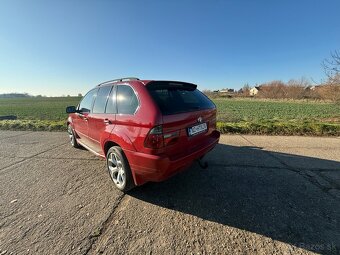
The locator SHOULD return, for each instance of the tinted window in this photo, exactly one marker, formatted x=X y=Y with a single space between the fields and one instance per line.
x=101 y=99
x=176 y=100
x=86 y=104
x=127 y=101
x=111 y=103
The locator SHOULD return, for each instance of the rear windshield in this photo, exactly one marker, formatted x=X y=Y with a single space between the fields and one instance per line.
x=173 y=100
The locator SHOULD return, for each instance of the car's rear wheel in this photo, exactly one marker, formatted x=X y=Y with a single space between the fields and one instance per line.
x=119 y=169
x=72 y=137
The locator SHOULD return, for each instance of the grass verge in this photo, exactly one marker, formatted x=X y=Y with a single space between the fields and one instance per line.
x=276 y=127
x=265 y=127
x=33 y=125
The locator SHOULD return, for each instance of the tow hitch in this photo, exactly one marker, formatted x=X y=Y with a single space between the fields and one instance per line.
x=202 y=164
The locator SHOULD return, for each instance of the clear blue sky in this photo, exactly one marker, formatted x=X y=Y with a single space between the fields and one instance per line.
x=67 y=47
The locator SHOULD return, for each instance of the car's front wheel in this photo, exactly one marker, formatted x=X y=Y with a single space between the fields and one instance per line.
x=72 y=136
x=119 y=169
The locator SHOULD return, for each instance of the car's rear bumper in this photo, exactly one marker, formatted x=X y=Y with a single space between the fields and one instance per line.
x=148 y=167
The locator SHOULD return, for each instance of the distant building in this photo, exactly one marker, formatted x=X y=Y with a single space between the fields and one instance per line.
x=224 y=91
x=314 y=87
x=227 y=91
x=254 y=91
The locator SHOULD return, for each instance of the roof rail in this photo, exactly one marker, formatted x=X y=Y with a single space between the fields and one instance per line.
x=117 y=80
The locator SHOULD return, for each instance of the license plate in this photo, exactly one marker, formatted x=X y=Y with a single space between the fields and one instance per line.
x=200 y=128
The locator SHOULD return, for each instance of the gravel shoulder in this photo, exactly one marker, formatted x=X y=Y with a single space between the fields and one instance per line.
x=260 y=194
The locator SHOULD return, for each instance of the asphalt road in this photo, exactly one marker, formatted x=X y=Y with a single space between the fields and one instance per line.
x=260 y=194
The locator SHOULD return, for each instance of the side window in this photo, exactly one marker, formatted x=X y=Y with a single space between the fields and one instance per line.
x=111 y=103
x=86 y=103
x=127 y=101
x=101 y=99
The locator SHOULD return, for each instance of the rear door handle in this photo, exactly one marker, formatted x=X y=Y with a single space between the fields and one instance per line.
x=107 y=121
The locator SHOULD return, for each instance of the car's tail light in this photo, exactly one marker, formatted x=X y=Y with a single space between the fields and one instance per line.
x=155 y=139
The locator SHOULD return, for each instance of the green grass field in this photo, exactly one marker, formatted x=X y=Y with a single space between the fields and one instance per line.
x=44 y=108
x=36 y=113
x=234 y=115
x=234 y=110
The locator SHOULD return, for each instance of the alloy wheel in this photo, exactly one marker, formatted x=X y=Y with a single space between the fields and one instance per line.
x=116 y=170
x=70 y=134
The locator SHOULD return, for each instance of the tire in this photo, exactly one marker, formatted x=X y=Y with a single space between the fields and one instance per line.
x=72 y=136
x=119 y=169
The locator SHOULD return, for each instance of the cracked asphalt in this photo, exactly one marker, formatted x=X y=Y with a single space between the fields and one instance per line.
x=260 y=195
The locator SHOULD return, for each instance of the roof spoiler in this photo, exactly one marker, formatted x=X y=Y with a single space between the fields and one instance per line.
x=171 y=84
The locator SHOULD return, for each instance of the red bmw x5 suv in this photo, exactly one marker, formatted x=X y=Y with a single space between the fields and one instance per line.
x=147 y=130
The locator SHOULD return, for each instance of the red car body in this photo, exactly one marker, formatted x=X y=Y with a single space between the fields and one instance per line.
x=152 y=157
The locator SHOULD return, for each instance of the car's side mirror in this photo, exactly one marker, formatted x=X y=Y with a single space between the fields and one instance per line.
x=71 y=109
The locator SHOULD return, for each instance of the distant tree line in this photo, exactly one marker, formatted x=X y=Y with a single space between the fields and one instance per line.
x=26 y=95
x=295 y=89
x=15 y=95
x=299 y=89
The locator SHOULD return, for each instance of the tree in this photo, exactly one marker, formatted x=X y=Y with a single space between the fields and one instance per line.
x=80 y=95
x=331 y=89
x=332 y=67
x=273 y=89
x=298 y=89
x=245 y=89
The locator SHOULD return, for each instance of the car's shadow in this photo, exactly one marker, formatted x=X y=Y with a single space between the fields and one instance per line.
x=249 y=189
